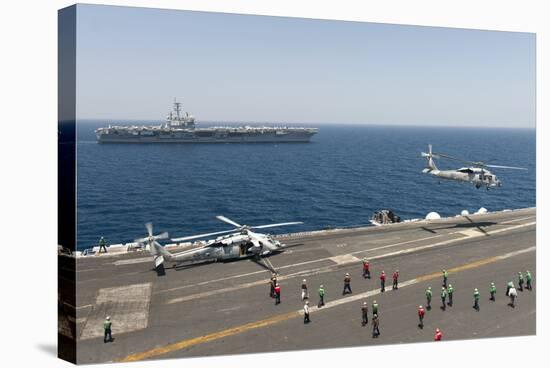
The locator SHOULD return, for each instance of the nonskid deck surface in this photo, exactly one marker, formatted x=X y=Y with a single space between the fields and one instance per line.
x=188 y=311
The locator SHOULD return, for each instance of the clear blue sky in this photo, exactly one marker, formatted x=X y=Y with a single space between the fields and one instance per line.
x=132 y=62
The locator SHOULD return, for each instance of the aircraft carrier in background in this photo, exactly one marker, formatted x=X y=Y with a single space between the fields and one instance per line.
x=181 y=128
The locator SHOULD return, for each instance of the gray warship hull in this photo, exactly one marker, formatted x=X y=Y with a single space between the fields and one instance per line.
x=207 y=135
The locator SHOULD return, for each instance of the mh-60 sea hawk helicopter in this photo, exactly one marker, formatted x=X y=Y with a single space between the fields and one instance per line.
x=476 y=173
x=242 y=243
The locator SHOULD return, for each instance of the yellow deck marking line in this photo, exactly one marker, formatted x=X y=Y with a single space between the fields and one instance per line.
x=207 y=338
x=286 y=316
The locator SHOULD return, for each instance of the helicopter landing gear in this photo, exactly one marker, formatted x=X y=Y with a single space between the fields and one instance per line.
x=265 y=263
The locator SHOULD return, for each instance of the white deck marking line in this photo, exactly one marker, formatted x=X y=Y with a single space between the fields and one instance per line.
x=512 y=228
x=518 y=219
x=398 y=244
x=470 y=232
x=292 y=265
x=344 y=259
x=316 y=271
x=133 y=261
x=517 y=252
x=238 y=287
x=187 y=343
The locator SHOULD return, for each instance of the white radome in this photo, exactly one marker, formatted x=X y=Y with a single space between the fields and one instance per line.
x=482 y=211
x=433 y=216
x=464 y=213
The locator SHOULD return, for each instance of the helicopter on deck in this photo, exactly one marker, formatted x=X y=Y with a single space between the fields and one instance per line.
x=241 y=243
x=476 y=173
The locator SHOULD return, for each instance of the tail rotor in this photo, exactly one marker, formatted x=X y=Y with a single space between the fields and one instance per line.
x=159 y=253
x=430 y=159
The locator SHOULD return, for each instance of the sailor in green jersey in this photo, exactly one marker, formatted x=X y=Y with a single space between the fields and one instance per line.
x=509 y=286
x=445 y=277
x=443 y=297
x=102 y=245
x=321 y=296
x=476 y=300
x=374 y=309
x=520 y=281
x=450 y=291
x=429 y=298
x=493 y=291
x=528 y=278
x=107 y=329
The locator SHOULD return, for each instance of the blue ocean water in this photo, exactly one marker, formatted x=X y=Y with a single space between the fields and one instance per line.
x=337 y=180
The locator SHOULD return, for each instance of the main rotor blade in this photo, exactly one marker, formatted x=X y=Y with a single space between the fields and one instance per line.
x=203 y=235
x=225 y=219
x=506 y=167
x=458 y=159
x=276 y=225
x=149 y=227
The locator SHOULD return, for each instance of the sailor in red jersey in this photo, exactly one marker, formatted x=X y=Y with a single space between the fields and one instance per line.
x=277 y=294
x=421 y=313
x=395 y=279
x=366 y=269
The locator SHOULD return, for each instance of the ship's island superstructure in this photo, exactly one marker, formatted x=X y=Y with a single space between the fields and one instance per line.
x=181 y=128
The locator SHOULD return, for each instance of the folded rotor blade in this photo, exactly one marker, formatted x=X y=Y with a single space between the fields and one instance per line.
x=507 y=167
x=202 y=235
x=225 y=219
x=276 y=225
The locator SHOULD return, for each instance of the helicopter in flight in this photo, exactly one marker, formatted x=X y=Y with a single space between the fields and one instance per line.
x=241 y=243
x=476 y=173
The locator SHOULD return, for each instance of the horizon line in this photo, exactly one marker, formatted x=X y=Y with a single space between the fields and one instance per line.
x=256 y=122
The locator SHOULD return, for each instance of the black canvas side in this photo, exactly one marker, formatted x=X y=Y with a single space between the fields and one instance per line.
x=66 y=184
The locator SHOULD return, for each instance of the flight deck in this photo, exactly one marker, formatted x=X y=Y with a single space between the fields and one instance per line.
x=225 y=308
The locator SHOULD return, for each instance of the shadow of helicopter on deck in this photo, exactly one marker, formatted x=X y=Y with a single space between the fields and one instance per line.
x=471 y=224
